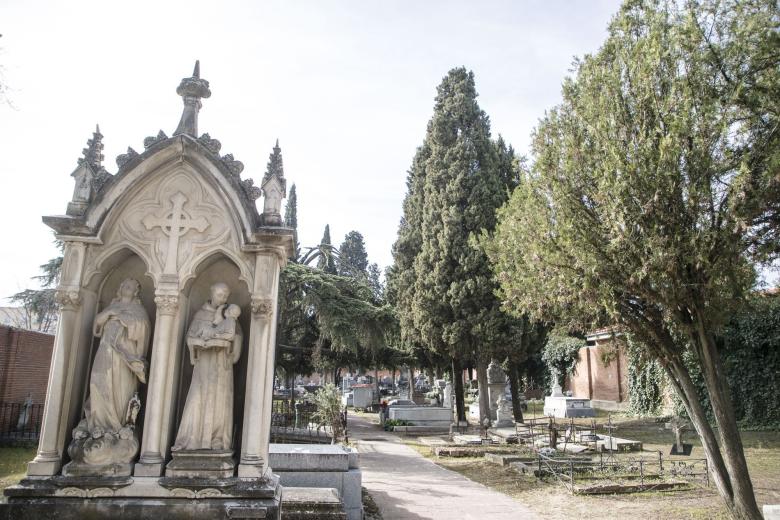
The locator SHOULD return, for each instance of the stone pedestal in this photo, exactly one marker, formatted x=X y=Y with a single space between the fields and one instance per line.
x=201 y=464
x=142 y=498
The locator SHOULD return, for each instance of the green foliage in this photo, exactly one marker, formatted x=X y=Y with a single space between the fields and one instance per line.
x=646 y=381
x=750 y=347
x=328 y=401
x=327 y=259
x=392 y=423
x=653 y=189
x=441 y=281
x=39 y=305
x=353 y=258
x=561 y=353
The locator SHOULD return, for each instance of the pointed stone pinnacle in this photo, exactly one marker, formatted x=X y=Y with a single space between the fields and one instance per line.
x=196 y=72
x=97 y=128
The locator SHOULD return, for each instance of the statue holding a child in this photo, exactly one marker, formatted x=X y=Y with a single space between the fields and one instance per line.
x=214 y=343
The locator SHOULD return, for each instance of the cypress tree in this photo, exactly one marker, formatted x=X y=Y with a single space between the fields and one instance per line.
x=441 y=281
x=353 y=259
x=291 y=216
x=326 y=261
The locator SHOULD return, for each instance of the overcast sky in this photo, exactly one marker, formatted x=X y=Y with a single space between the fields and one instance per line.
x=347 y=87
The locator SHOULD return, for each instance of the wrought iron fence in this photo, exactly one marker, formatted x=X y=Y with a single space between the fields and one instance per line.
x=610 y=474
x=20 y=422
x=296 y=423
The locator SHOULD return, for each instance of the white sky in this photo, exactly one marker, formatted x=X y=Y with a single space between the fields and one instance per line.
x=347 y=87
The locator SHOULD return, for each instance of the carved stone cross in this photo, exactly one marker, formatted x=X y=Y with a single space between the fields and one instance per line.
x=175 y=223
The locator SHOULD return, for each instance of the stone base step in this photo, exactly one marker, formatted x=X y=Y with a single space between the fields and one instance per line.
x=300 y=503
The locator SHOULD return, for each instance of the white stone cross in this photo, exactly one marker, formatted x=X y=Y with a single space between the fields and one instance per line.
x=175 y=223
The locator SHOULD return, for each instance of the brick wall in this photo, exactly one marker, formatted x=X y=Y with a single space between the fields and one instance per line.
x=25 y=357
x=593 y=379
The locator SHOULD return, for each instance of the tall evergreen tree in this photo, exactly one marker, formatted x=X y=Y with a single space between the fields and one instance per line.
x=291 y=216
x=353 y=259
x=327 y=260
x=441 y=281
x=291 y=210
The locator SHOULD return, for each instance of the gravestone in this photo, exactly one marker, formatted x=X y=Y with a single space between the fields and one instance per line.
x=159 y=396
x=496 y=386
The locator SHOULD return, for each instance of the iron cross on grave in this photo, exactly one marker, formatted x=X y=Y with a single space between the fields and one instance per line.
x=175 y=223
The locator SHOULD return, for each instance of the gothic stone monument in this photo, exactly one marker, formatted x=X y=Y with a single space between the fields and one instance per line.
x=159 y=396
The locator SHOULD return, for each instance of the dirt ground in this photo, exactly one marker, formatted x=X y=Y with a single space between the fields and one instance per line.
x=553 y=501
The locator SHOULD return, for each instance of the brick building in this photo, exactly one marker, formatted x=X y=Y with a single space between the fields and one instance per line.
x=601 y=373
x=25 y=357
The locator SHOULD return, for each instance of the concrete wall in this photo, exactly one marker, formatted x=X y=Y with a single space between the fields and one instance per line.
x=593 y=379
x=25 y=357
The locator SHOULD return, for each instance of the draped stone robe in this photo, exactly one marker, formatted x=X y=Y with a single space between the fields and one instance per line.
x=119 y=365
x=207 y=420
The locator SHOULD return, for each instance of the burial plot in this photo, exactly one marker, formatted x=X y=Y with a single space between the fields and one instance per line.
x=159 y=396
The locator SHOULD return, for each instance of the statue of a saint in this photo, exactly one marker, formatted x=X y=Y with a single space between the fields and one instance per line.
x=214 y=344
x=105 y=439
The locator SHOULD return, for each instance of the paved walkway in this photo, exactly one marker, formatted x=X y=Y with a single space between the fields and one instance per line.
x=405 y=485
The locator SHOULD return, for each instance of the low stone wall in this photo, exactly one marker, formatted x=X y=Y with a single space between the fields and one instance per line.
x=321 y=466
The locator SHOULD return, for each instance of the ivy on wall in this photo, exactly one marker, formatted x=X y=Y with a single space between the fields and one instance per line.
x=750 y=350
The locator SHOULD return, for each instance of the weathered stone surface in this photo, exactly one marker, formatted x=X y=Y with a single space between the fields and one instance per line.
x=138 y=509
x=562 y=407
x=305 y=503
x=505 y=460
x=201 y=464
x=321 y=466
x=309 y=457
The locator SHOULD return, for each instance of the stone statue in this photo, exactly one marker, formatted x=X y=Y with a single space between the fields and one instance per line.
x=214 y=343
x=104 y=442
x=557 y=391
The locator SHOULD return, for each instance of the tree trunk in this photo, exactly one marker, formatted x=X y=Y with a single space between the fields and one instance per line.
x=514 y=389
x=457 y=382
x=471 y=373
x=484 y=394
x=731 y=479
x=411 y=383
x=745 y=505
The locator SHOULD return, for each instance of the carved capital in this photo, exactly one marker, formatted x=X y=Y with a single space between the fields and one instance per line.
x=262 y=307
x=69 y=299
x=167 y=304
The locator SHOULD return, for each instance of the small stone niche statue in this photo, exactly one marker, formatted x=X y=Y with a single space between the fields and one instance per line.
x=105 y=442
x=214 y=344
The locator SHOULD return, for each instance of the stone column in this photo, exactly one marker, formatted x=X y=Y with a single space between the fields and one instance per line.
x=51 y=443
x=260 y=365
x=151 y=463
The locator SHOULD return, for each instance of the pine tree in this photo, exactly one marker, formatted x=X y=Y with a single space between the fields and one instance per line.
x=353 y=259
x=326 y=261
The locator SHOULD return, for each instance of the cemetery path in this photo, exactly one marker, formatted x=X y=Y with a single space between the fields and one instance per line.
x=405 y=485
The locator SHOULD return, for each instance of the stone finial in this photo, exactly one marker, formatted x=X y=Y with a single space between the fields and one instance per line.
x=93 y=153
x=191 y=90
x=274 y=188
x=89 y=176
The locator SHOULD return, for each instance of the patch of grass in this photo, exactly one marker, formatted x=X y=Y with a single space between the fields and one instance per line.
x=13 y=465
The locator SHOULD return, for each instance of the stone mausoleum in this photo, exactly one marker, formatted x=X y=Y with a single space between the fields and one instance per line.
x=160 y=389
